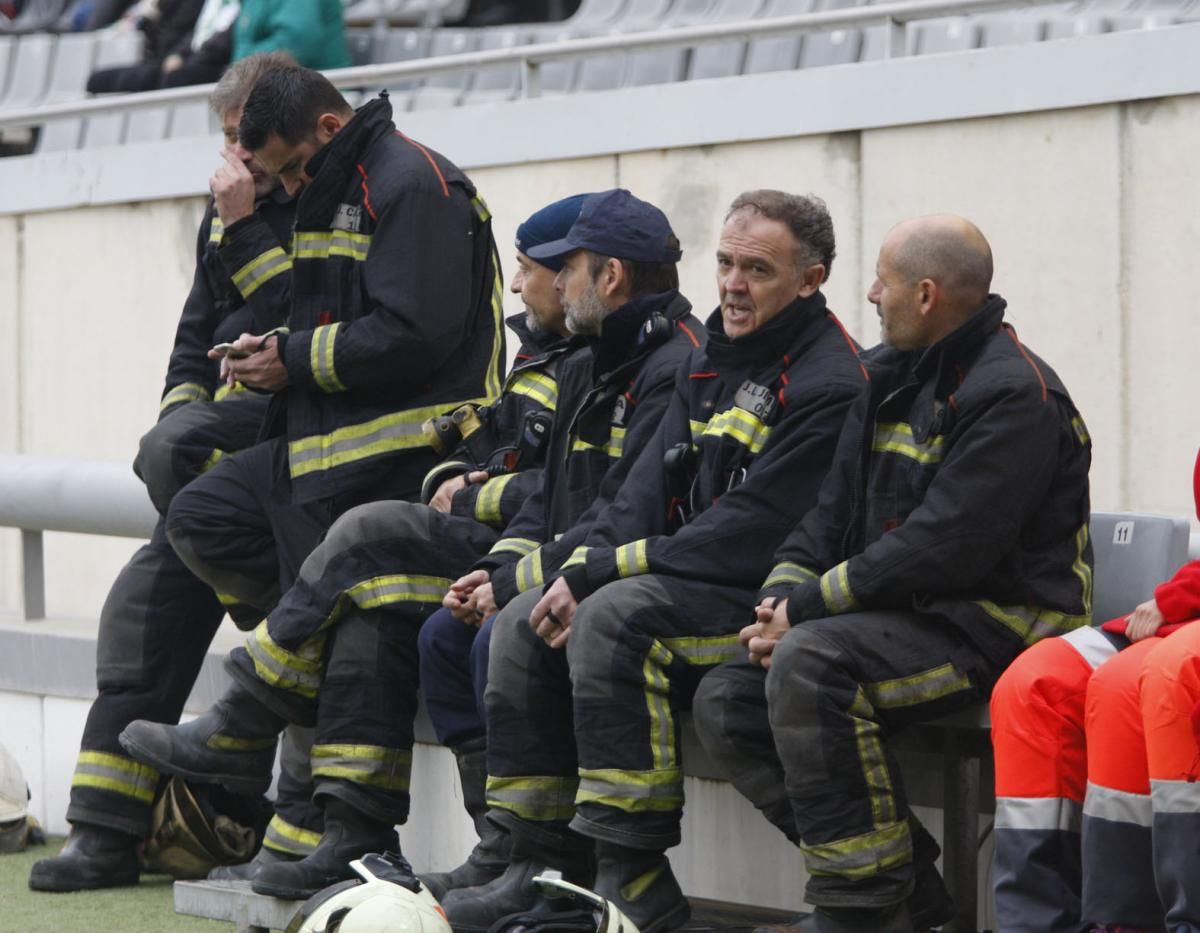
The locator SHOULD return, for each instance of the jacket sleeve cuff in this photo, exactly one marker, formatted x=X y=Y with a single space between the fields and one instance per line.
x=577 y=582
x=804 y=603
x=297 y=354
x=438 y=475
x=504 y=584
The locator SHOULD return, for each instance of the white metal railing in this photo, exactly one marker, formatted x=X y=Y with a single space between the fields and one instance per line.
x=530 y=58
x=42 y=494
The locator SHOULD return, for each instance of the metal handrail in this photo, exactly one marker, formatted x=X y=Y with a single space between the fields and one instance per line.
x=532 y=57
x=56 y=494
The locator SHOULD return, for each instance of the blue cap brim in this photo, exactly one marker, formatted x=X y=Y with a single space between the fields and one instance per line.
x=555 y=249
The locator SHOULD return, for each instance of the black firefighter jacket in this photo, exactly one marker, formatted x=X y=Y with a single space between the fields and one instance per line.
x=960 y=489
x=511 y=445
x=217 y=311
x=755 y=421
x=396 y=306
x=612 y=396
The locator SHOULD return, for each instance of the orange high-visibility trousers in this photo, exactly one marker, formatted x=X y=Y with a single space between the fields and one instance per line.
x=1041 y=770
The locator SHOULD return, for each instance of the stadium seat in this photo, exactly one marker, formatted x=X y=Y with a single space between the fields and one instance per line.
x=594 y=14
x=7 y=46
x=727 y=58
x=112 y=49
x=361 y=44
x=1067 y=27
x=838 y=47
x=191 y=119
x=1134 y=553
x=500 y=82
x=148 y=124
x=951 y=34
x=445 y=90
x=778 y=53
x=398 y=45
x=556 y=77
x=30 y=80
x=1011 y=30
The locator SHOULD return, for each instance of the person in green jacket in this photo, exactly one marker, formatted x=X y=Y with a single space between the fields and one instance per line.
x=312 y=30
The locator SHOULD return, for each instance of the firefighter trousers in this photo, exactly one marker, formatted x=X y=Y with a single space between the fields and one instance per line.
x=1038 y=734
x=339 y=651
x=454 y=667
x=157 y=621
x=806 y=742
x=591 y=734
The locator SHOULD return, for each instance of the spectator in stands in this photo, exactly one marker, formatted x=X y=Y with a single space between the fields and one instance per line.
x=312 y=30
x=187 y=42
x=1072 y=713
x=950 y=534
x=364 y=593
x=582 y=752
x=158 y=620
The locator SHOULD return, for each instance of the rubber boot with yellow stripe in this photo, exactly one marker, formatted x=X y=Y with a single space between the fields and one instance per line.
x=233 y=744
x=642 y=885
x=94 y=857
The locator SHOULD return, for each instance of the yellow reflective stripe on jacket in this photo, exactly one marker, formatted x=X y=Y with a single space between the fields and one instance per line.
x=520 y=546
x=184 y=392
x=487 y=502
x=835 y=589
x=389 y=768
x=212 y=460
x=115 y=773
x=495 y=371
x=216 y=230
x=397 y=431
x=705 y=650
x=578 y=556
x=283 y=836
x=787 y=572
x=326 y=243
x=297 y=673
x=321 y=358
x=260 y=270
x=860 y=857
x=1081 y=430
x=534 y=798
x=237 y=391
x=923 y=687
x=632 y=791
x=898 y=439
x=481 y=209
x=529 y=571
x=738 y=424
x=1082 y=569
x=1030 y=623
x=614 y=448
x=390 y=589
x=631 y=559
x=537 y=386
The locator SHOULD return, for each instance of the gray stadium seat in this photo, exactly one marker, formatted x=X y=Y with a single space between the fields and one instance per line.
x=361 y=43
x=601 y=72
x=7 y=46
x=191 y=119
x=778 y=53
x=501 y=82
x=112 y=48
x=727 y=58
x=838 y=47
x=642 y=16
x=593 y=14
x=31 y=63
x=951 y=34
x=445 y=90
x=148 y=124
x=1067 y=27
x=1011 y=30
x=398 y=45
x=556 y=77
x=72 y=65
x=1134 y=553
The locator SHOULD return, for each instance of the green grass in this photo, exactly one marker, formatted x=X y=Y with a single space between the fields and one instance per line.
x=146 y=908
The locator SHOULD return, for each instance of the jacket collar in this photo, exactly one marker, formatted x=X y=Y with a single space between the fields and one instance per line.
x=541 y=341
x=964 y=341
x=621 y=334
x=789 y=332
x=335 y=163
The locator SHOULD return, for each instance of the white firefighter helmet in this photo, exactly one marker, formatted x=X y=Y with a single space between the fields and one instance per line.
x=607 y=915
x=14 y=804
x=389 y=899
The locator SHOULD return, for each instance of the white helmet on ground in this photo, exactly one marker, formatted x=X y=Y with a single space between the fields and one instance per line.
x=605 y=913
x=389 y=899
x=14 y=804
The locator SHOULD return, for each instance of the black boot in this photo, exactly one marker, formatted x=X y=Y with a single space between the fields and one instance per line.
x=892 y=919
x=233 y=744
x=642 y=886
x=247 y=871
x=349 y=834
x=930 y=902
x=473 y=910
x=489 y=858
x=94 y=857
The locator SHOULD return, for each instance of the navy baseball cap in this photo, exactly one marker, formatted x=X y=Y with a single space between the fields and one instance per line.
x=615 y=223
x=550 y=223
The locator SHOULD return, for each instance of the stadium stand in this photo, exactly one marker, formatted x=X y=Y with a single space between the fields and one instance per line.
x=41 y=68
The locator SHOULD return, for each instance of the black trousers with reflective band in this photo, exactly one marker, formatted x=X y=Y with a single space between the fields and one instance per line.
x=807 y=742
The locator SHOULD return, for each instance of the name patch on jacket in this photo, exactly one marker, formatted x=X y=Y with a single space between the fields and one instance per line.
x=349 y=218
x=757 y=400
x=620 y=409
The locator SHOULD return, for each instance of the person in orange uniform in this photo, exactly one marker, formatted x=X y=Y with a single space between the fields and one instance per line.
x=1097 y=761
